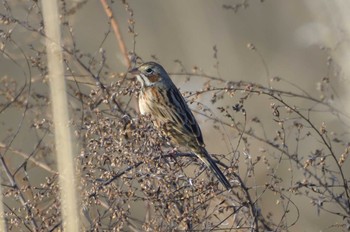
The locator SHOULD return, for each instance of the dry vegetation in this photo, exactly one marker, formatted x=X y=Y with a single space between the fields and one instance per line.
x=130 y=178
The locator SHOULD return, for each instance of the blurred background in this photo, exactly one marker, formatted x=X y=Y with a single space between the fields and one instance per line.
x=305 y=43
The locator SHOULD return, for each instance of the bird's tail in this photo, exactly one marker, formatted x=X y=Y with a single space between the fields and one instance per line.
x=210 y=163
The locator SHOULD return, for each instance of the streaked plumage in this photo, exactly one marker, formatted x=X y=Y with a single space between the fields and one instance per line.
x=160 y=98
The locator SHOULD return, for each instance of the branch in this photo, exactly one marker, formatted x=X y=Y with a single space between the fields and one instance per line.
x=20 y=194
x=117 y=32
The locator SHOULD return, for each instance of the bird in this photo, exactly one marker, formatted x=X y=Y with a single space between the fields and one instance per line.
x=161 y=99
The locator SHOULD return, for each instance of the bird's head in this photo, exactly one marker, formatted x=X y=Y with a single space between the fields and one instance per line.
x=151 y=74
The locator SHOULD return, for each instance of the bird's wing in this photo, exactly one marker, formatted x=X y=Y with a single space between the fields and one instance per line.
x=182 y=114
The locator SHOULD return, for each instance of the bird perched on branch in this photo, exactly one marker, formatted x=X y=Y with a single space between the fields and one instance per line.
x=160 y=98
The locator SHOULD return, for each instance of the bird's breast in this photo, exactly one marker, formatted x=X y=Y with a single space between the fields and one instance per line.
x=149 y=99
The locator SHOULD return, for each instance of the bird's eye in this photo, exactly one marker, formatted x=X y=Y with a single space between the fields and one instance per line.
x=149 y=71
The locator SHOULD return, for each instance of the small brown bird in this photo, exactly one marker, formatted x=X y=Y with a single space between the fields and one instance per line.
x=160 y=98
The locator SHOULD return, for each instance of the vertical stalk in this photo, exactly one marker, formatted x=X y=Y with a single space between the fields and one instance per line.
x=2 y=213
x=63 y=137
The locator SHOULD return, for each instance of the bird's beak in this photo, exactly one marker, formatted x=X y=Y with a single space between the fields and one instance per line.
x=134 y=71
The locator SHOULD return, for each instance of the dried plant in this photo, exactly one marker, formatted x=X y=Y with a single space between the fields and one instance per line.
x=131 y=179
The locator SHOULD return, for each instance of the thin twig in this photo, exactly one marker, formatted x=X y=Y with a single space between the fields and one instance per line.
x=29 y=158
x=117 y=32
x=20 y=194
